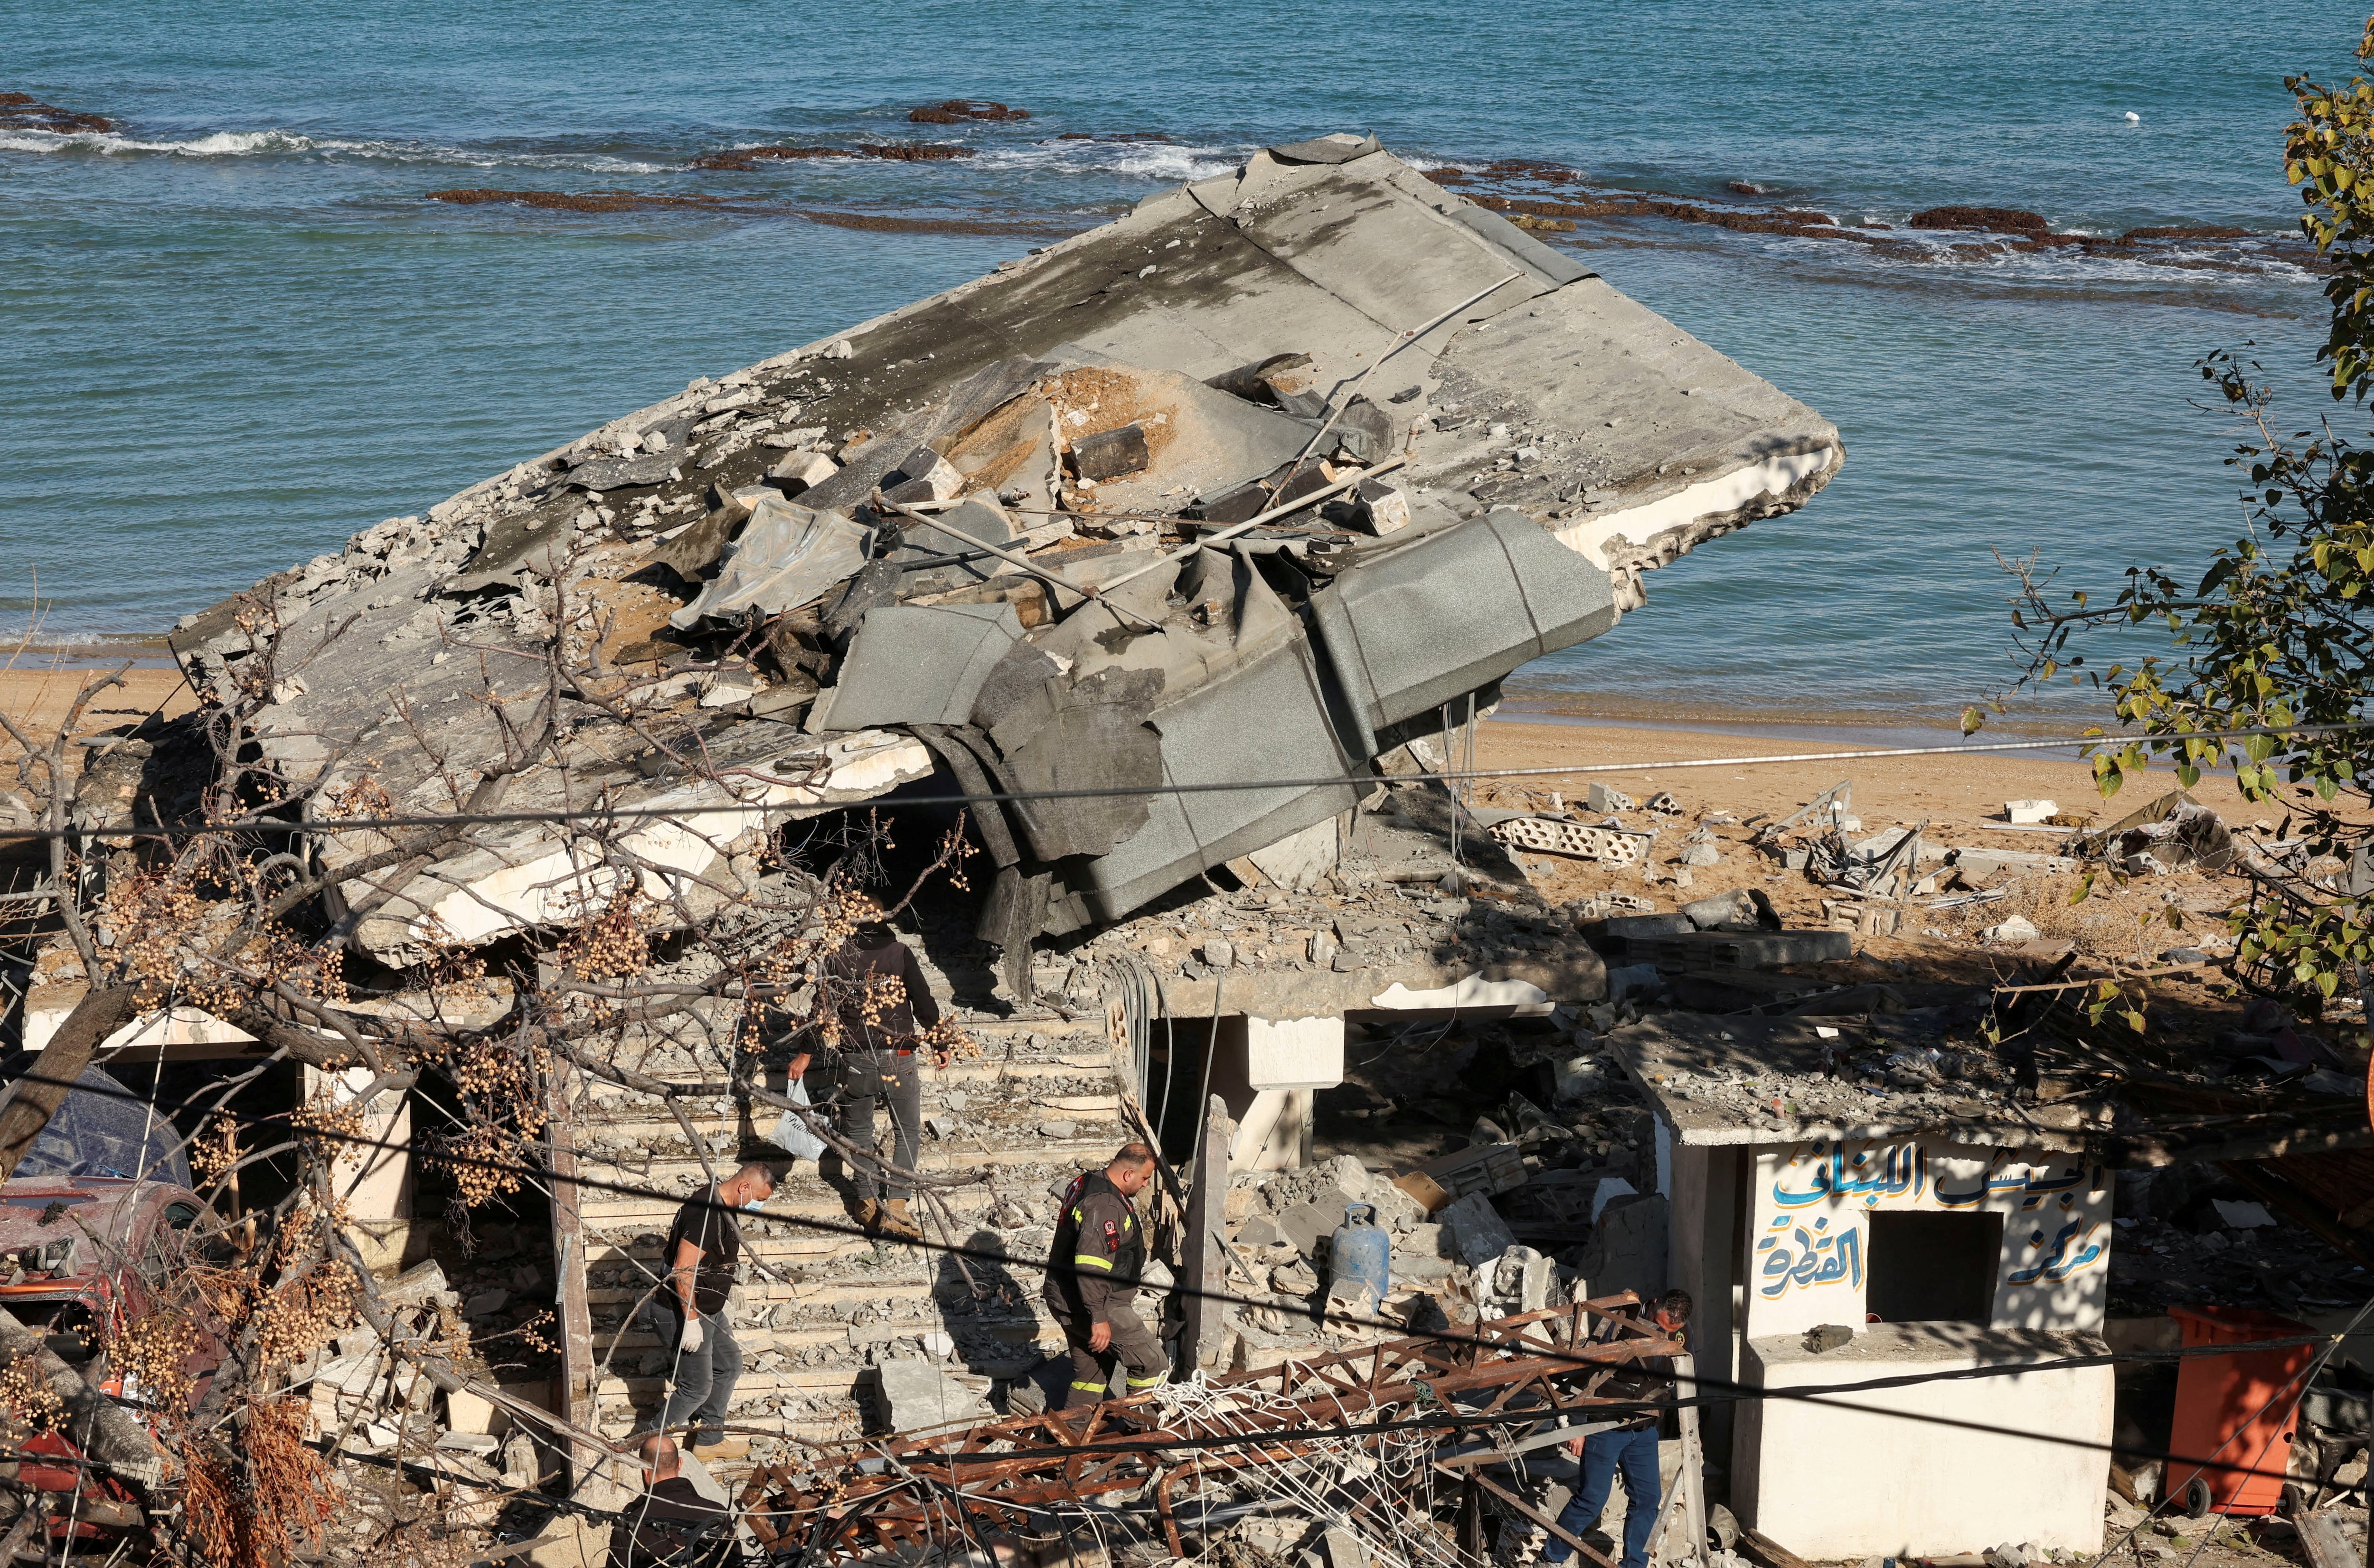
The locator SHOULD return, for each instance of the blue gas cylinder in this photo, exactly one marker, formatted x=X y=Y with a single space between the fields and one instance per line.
x=1360 y=1257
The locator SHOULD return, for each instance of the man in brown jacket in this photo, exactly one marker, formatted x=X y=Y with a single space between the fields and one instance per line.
x=876 y=1061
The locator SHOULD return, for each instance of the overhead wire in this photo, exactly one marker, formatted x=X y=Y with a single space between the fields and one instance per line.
x=616 y=815
x=1718 y=1390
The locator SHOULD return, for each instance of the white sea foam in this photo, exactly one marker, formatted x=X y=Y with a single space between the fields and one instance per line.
x=1168 y=162
x=291 y=144
x=1956 y=256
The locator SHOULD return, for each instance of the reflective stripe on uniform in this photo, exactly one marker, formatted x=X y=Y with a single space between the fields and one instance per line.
x=1091 y=1387
x=1082 y=1258
x=1143 y=1382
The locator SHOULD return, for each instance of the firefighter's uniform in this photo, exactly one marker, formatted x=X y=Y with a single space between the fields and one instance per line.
x=1093 y=1275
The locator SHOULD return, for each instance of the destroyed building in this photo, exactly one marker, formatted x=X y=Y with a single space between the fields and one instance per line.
x=1181 y=552
x=1180 y=558
x=1254 y=483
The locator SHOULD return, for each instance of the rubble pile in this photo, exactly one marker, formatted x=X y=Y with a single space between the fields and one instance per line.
x=1185 y=553
x=1063 y=528
x=371 y=1396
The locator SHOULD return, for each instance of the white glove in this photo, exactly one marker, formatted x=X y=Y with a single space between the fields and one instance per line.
x=692 y=1335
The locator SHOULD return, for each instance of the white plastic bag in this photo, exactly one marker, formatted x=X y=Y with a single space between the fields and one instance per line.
x=791 y=1133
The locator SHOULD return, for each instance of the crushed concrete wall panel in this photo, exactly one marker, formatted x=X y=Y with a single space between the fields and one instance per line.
x=787 y=557
x=921 y=664
x=1266 y=720
x=1415 y=626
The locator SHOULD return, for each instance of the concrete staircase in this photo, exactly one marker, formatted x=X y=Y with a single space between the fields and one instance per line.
x=1036 y=1105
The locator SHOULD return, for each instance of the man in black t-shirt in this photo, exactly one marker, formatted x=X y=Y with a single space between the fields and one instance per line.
x=703 y=1246
x=671 y=1523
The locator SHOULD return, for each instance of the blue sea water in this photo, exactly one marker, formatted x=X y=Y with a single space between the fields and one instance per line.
x=234 y=330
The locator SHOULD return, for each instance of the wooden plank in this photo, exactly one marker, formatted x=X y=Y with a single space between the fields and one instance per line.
x=577 y=1364
x=1763 y=1550
x=2322 y=1538
x=1691 y=1481
x=1201 y=1259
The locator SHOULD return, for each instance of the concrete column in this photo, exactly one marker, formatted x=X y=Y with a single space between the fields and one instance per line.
x=375 y=1177
x=1206 y=1269
x=1703 y=1260
x=1268 y=1073
x=1270 y=1132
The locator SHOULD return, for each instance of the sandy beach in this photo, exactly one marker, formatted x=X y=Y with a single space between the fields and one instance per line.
x=36 y=700
x=1955 y=792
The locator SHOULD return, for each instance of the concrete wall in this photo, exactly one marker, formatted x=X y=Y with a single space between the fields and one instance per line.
x=1704 y=1261
x=1831 y=1483
x=1809 y=1240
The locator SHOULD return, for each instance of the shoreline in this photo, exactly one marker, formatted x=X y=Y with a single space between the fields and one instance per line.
x=1524 y=731
x=1843 y=724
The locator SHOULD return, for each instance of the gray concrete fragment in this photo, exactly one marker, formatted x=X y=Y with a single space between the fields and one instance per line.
x=1741 y=909
x=1259 y=1231
x=803 y=471
x=619 y=473
x=1634 y=980
x=915 y=1393
x=1628 y=1246
x=1365 y=433
x=1297 y=862
x=911 y=664
x=1344 y=1548
x=1109 y=454
x=1632 y=926
x=1478 y=1233
x=787 y=556
x=1308 y=1225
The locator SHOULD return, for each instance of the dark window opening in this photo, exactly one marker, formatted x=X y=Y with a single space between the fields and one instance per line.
x=1177 y=1086
x=1930 y=1267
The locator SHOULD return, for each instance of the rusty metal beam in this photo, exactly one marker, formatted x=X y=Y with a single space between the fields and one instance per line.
x=945 y=1486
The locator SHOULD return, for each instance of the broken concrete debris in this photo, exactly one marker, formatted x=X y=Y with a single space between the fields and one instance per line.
x=1152 y=509
x=1112 y=633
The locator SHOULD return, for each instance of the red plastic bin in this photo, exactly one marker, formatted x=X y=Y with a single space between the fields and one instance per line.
x=2237 y=1410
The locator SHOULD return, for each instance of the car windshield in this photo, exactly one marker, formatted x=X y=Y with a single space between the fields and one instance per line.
x=104 y=1129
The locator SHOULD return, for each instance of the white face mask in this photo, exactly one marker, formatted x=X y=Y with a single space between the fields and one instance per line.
x=756 y=1205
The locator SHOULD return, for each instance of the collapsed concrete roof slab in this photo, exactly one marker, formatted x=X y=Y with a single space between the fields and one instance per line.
x=1402 y=635
x=1489 y=398
x=680 y=839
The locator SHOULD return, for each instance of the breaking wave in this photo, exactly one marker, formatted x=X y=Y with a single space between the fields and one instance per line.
x=1168 y=162
x=292 y=144
x=1962 y=258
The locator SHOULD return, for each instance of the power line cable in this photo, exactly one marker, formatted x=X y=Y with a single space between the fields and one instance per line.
x=618 y=814
x=1723 y=1391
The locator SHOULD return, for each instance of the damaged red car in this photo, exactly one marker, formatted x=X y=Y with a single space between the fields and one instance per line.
x=98 y=1250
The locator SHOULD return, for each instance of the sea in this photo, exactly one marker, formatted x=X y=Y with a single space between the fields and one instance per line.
x=236 y=328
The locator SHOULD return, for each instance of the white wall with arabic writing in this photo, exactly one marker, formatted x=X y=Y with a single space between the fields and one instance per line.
x=1809 y=1236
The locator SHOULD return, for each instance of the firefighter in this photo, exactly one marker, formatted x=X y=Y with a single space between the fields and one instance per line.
x=1092 y=1278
